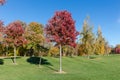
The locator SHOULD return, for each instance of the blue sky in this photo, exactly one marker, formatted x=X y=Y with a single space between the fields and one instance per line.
x=105 y=13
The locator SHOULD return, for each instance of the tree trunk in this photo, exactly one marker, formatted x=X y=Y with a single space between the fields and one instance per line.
x=60 y=59
x=14 y=60
x=40 y=59
x=87 y=56
x=6 y=51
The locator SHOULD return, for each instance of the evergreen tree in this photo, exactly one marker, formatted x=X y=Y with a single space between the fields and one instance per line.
x=87 y=38
x=99 y=43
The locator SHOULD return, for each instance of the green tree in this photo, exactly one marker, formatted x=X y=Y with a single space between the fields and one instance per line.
x=35 y=36
x=34 y=33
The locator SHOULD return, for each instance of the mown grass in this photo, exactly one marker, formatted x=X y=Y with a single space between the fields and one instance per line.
x=76 y=68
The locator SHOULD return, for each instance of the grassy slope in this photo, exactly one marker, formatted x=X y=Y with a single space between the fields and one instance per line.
x=77 y=68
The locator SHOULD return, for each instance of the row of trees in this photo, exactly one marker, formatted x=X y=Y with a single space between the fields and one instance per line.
x=91 y=43
x=34 y=39
x=17 y=37
x=58 y=36
x=23 y=38
x=60 y=30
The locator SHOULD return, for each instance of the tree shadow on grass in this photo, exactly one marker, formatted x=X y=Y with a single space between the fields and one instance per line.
x=35 y=60
x=92 y=57
x=52 y=68
x=1 y=61
x=12 y=58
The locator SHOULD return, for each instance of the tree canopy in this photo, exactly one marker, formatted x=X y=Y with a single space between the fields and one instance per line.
x=61 y=29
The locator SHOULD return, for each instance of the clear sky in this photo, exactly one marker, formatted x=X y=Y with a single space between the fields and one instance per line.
x=105 y=13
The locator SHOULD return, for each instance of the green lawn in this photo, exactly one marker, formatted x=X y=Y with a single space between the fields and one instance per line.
x=76 y=68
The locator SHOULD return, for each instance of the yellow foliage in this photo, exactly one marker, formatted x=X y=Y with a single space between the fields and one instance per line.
x=81 y=50
x=100 y=48
x=68 y=50
x=54 y=51
x=34 y=33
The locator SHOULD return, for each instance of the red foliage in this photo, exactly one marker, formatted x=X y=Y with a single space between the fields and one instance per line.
x=61 y=29
x=14 y=34
x=2 y=2
x=117 y=50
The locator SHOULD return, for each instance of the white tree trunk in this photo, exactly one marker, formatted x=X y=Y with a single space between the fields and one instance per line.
x=60 y=59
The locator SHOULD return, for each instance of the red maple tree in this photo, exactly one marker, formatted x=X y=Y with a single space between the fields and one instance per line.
x=14 y=35
x=2 y=2
x=61 y=29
